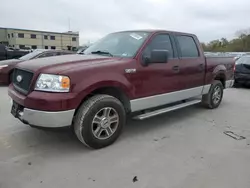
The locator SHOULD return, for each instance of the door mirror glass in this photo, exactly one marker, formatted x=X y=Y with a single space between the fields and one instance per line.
x=159 y=56
x=156 y=56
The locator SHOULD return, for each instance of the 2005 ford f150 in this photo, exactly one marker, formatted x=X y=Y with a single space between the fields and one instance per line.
x=138 y=74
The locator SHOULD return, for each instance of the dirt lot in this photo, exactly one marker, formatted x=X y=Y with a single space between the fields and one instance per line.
x=186 y=148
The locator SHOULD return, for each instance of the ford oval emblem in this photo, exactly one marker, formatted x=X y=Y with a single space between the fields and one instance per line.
x=19 y=78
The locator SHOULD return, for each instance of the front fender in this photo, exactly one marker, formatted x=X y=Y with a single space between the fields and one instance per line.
x=93 y=82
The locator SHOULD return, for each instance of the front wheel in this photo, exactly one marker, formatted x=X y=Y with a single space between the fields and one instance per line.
x=214 y=97
x=99 y=121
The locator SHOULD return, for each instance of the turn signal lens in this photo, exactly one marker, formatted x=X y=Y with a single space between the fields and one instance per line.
x=65 y=83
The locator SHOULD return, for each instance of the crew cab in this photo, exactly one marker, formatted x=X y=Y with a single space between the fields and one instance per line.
x=136 y=74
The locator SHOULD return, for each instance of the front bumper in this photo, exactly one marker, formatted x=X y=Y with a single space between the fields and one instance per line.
x=42 y=118
x=43 y=109
x=43 y=101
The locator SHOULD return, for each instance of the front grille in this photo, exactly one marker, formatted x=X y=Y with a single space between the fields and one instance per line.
x=22 y=80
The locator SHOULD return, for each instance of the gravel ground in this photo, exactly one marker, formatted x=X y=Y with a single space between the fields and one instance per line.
x=186 y=148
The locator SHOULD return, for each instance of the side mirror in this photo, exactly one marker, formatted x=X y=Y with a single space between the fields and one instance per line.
x=159 y=56
x=156 y=56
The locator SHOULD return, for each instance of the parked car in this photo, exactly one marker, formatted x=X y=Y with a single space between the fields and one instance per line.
x=242 y=70
x=81 y=50
x=7 y=66
x=137 y=74
x=7 y=53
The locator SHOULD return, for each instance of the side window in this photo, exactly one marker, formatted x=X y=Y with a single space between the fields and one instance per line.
x=159 y=42
x=43 y=55
x=65 y=53
x=48 y=54
x=59 y=53
x=187 y=46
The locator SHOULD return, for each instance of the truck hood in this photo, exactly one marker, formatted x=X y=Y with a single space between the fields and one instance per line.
x=10 y=62
x=62 y=63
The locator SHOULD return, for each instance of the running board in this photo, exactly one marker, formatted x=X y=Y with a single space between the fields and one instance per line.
x=164 y=110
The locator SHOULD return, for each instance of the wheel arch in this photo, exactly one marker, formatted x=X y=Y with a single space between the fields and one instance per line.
x=219 y=74
x=115 y=91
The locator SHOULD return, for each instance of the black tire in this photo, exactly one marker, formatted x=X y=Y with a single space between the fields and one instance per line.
x=207 y=100
x=236 y=84
x=83 y=125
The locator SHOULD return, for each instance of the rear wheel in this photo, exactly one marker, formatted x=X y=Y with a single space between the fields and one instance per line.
x=99 y=121
x=214 y=97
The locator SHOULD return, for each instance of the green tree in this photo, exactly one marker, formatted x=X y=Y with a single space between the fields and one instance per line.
x=239 y=44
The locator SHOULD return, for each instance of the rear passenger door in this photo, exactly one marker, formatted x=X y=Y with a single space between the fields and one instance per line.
x=192 y=65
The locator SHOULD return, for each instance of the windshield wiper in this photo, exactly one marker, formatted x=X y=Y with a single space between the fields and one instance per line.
x=102 y=52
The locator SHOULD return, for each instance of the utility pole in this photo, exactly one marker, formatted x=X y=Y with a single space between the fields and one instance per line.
x=70 y=35
x=69 y=23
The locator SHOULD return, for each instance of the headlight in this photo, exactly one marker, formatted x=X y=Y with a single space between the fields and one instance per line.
x=52 y=83
x=3 y=66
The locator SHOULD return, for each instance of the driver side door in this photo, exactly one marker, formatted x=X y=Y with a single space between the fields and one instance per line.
x=157 y=80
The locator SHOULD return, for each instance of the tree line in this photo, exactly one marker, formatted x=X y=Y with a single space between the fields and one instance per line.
x=239 y=44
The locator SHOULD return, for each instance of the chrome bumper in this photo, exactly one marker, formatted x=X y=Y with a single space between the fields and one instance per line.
x=229 y=83
x=46 y=119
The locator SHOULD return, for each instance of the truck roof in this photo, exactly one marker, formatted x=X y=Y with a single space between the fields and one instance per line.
x=155 y=31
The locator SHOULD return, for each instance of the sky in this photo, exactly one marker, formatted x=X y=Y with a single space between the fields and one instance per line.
x=94 y=19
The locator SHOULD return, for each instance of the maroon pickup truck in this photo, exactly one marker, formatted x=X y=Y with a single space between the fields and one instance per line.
x=136 y=74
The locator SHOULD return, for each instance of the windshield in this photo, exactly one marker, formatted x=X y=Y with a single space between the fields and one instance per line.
x=121 y=44
x=243 y=60
x=30 y=55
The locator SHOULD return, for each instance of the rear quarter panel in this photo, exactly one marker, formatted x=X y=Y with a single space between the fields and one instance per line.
x=217 y=65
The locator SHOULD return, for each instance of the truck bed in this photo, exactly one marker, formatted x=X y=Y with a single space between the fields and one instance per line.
x=216 y=63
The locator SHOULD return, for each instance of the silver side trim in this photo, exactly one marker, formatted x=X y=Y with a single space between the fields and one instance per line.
x=229 y=83
x=47 y=119
x=168 y=109
x=158 y=100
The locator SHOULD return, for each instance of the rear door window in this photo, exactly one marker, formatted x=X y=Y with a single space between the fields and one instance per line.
x=187 y=46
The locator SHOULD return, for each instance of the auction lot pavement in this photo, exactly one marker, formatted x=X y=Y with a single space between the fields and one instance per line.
x=186 y=148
